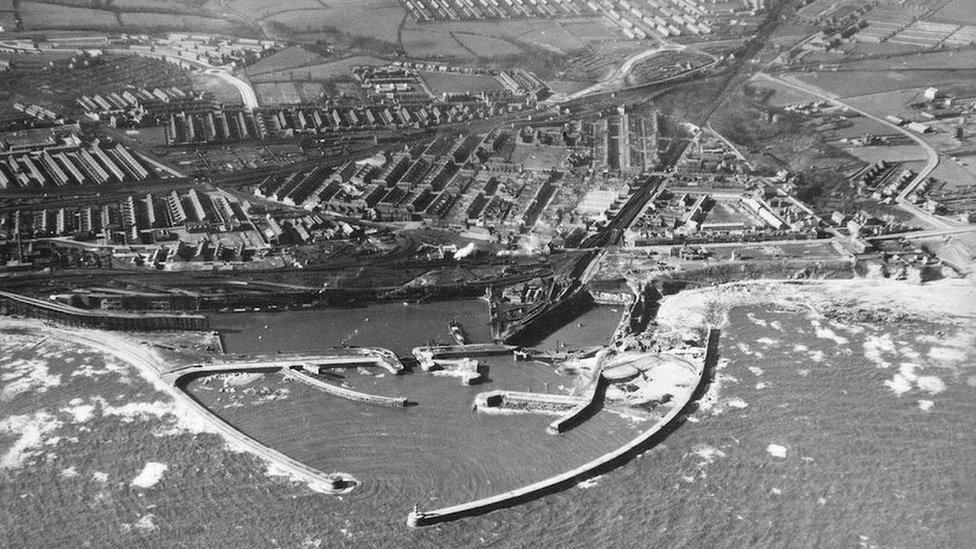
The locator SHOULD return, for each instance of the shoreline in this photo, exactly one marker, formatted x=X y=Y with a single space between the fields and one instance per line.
x=151 y=368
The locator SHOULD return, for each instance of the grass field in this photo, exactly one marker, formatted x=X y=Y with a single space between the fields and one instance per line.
x=854 y=83
x=951 y=59
x=37 y=16
x=187 y=23
x=443 y=82
x=485 y=46
x=341 y=68
x=959 y=12
x=278 y=93
x=783 y=95
x=287 y=58
x=897 y=153
x=376 y=19
x=893 y=103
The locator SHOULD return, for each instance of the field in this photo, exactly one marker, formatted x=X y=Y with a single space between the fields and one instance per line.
x=186 y=23
x=341 y=68
x=783 y=95
x=261 y=8
x=485 y=46
x=477 y=39
x=951 y=59
x=853 y=83
x=896 y=153
x=277 y=93
x=442 y=82
x=143 y=15
x=221 y=90
x=37 y=16
x=962 y=12
x=893 y=103
x=288 y=58
x=7 y=20
x=376 y=19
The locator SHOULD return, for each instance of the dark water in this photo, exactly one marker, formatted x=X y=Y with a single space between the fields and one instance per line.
x=861 y=465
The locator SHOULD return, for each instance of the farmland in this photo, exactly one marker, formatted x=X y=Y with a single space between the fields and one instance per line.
x=376 y=19
x=143 y=15
x=37 y=16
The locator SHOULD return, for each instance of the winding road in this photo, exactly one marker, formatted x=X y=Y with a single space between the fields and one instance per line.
x=248 y=97
x=930 y=152
x=617 y=80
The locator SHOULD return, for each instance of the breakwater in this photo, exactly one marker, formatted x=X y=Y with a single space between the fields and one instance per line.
x=174 y=384
x=430 y=356
x=342 y=392
x=587 y=470
x=344 y=358
x=542 y=403
x=591 y=401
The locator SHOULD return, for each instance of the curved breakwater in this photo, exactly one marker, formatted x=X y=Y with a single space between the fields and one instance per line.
x=587 y=470
x=342 y=392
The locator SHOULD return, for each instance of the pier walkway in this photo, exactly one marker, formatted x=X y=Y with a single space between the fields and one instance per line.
x=314 y=363
x=428 y=356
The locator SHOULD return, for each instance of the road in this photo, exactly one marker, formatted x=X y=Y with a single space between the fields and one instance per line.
x=931 y=154
x=248 y=97
x=617 y=79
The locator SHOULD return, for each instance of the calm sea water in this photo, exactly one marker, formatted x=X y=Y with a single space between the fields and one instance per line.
x=808 y=443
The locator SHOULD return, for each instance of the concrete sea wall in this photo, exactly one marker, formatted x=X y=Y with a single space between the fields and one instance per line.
x=570 y=478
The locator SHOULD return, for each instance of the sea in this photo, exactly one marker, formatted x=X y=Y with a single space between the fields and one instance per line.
x=812 y=434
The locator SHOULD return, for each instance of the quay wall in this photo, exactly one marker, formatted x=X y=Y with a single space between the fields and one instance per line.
x=502 y=398
x=462 y=351
x=570 y=478
x=342 y=392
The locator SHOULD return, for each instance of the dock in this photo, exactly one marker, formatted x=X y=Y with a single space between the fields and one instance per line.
x=428 y=356
x=344 y=358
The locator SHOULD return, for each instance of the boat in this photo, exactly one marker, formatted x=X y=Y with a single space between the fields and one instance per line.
x=458 y=332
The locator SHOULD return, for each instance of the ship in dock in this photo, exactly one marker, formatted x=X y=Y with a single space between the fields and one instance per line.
x=527 y=310
x=457 y=331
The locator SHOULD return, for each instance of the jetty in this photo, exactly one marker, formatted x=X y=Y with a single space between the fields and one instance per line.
x=541 y=403
x=343 y=358
x=429 y=356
